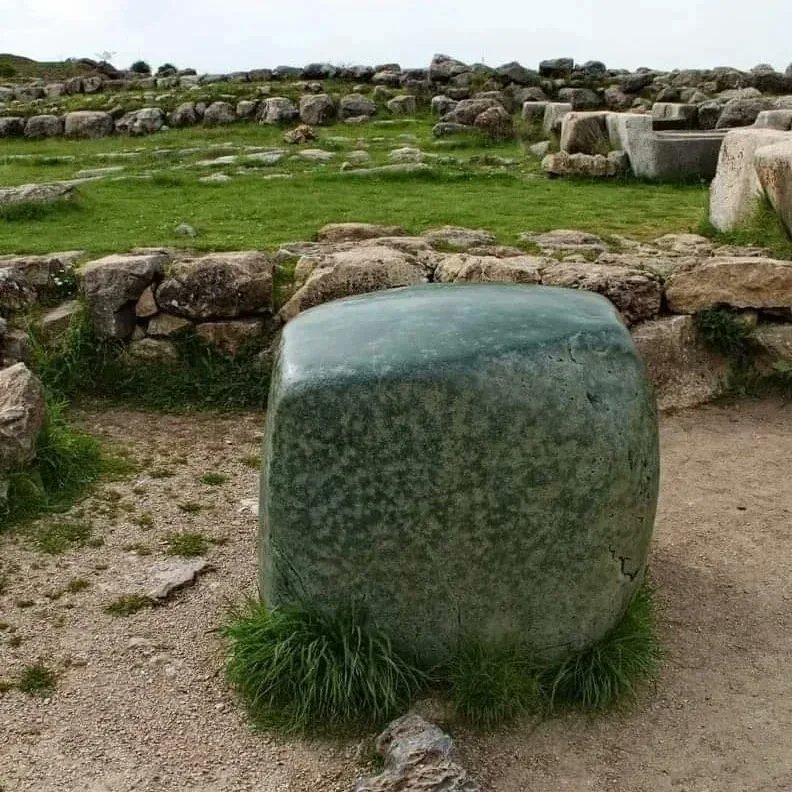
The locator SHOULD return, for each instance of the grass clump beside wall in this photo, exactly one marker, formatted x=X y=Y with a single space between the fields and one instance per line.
x=202 y=377
x=299 y=668
x=67 y=462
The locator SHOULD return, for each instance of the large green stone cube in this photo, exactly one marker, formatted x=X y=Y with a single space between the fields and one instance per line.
x=465 y=460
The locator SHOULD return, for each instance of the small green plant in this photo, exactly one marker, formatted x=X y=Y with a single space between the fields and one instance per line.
x=253 y=461
x=37 y=680
x=144 y=520
x=190 y=507
x=298 y=666
x=59 y=537
x=214 y=479
x=612 y=669
x=127 y=604
x=491 y=683
x=187 y=544
x=76 y=585
x=724 y=331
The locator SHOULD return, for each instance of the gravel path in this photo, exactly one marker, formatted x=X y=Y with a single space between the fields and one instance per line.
x=141 y=702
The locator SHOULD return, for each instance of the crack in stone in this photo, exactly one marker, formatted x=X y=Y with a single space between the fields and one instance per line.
x=622 y=564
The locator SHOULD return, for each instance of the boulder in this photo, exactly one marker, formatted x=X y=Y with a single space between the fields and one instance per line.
x=580 y=98
x=563 y=240
x=300 y=134
x=464 y=268
x=22 y=414
x=556 y=67
x=514 y=72
x=741 y=282
x=277 y=110
x=464 y=427
x=217 y=286
x=774 y=169
x=36 y=193
x=152 y=350
x=230 y=336
x=585 y=133
x=736 y=188
x=443 y=68
x=184 y=115
x=743 y=112
x=636 y=294
x=533 y=111
x=12 y=126
x=458 y=237
x=317 y=109
x=246 y=108
x=684 y=370
x=43 y=126
x=773 y=342
x=113 y=284
x=468 y=110
x=495 y=123
x=355 y=232
x=560 y=163
x=440 y=105
x=55 y=322
x=87 y=124
x=402 y=105
x=219 y=113
x=447 y=128
x=355 y=106
x=674 y=115
x=145 y=121
x=355 y=271
x=164 y=325
x=417 y=755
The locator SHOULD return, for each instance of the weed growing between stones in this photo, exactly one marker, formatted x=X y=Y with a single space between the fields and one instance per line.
x=127 y=604
x=724 y=331
x=203 y=378
x=299 y=669
x=187 y=544
x=67 y=462
x=763 y=229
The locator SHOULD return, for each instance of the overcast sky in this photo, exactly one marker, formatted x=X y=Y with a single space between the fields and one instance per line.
x=238 y=35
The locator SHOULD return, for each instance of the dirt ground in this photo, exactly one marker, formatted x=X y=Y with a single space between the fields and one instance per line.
x=141 y=702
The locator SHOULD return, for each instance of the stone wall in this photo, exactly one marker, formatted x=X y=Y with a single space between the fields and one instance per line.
x=149 y=297
x=109 y=101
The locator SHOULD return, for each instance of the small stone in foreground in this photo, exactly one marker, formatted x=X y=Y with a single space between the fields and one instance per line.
x=167 y=577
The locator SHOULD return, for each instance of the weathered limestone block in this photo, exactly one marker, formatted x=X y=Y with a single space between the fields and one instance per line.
x=585 y=133
x=317 y=109
x=635 y=293
x=87 y=124
x=145 y=121
x=219 y=113
x=218 y=286
x=356 y=106
x=277 y=110
x=468 y=461
x=355 y=232
x=458 y=237
x=43 y=126
x=348 y=272
x=230 y=336
x=774 y=169
x=674 y=115
x=56 y=321
x=402 y=105
x=685 y=372
x=22 y=414
x=553 y=117
x=774 y=344
x=39 y=193
x=742 y=282
x=464 y=268
x=736 y=189
x=774 y=119
x=586 y=165
x=113 y=284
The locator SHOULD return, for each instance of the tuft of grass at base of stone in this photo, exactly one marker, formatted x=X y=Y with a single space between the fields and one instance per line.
x=491 y=684
x=187 y=544
x=67 y=462
x=56 y=538
x=300 y=669
x=127 y=604
x=214 y=479
x=763 y=228
x=723 y=331
x=37 y=680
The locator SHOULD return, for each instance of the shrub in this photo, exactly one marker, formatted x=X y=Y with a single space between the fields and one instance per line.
x=37 y=680
x=166 y=70
x=140 y=67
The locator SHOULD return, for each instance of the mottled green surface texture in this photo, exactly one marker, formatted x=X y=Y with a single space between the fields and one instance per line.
x=466 y=460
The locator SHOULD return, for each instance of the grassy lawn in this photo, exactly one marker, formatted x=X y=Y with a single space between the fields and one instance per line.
x=498 y=187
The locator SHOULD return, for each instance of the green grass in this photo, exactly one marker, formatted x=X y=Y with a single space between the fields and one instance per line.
x=127 y=604
x=59 y=537
x=762 y=229
x=612 y=670
x=187 y=544
x=724 y=332
x=76 y=585
x=37 y=680
x=300 y=669
x=249 y=212
x=214 y=479
x=203 y=378
x=67 y=462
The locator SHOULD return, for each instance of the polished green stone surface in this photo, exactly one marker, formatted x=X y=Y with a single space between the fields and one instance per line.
x=466 y=460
